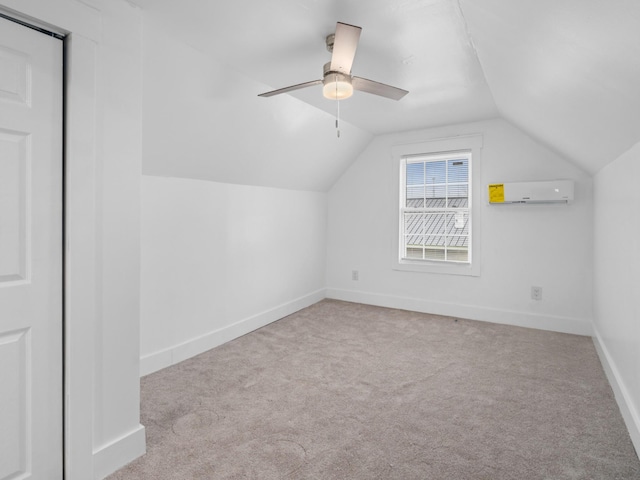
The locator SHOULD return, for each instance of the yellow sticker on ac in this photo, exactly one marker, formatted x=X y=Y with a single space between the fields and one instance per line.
x=496 y=193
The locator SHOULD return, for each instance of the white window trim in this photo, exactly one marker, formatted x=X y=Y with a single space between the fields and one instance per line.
x=471 y=143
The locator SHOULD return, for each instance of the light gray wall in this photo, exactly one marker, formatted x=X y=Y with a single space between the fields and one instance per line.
x=220 y=260
x=617 y=280
x=521 y=245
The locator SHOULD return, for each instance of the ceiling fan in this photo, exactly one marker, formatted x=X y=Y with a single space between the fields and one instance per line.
x=337 y=81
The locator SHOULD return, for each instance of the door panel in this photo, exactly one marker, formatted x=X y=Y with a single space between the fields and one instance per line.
x=15 y=77
x=14 y=390
x=13 y=201
x=30 y=254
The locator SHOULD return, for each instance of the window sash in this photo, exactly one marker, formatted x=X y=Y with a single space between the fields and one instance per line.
x=437 y=240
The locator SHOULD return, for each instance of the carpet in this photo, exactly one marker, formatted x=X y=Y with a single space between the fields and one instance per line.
x=348 y=391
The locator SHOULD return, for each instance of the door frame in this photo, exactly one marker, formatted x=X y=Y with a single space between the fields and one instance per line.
x=80 y=264
x=80 y=25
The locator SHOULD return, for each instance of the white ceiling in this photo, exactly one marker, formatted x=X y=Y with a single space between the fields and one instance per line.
x=565 y=71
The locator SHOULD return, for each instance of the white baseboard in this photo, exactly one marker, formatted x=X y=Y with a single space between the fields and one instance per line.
x=623 y=397
x=575 y=326
x=115 y=455
x=195 y=346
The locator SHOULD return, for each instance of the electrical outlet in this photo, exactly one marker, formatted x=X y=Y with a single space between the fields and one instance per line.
x=354 y=275
x=536 y=293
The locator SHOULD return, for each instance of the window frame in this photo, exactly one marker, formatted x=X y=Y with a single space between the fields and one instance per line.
x=471 y=144
x=445 y=210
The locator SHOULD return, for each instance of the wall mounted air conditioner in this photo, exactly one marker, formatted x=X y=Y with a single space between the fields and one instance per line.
x=554 y=191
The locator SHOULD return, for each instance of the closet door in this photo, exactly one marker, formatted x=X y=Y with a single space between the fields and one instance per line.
x=31 y=387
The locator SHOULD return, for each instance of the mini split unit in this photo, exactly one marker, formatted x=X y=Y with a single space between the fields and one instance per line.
x=554 y=191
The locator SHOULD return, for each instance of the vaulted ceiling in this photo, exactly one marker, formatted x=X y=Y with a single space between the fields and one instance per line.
x=567 y=72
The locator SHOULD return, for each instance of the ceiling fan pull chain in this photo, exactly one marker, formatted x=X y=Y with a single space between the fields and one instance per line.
x=338 y=115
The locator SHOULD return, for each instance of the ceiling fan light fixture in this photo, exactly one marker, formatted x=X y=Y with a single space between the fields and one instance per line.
x=337 y=86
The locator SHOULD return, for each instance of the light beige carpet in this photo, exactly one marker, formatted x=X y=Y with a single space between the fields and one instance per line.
x=349 y=391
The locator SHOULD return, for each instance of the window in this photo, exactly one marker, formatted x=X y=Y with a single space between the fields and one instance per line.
x=436 y=228
x=435 y=207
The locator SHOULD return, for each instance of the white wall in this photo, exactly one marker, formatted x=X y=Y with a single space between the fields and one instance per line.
x=617 y=281
x=220 y=260
x=117 y=335
x=243 y=243
x=103 y=163
x=521 y=245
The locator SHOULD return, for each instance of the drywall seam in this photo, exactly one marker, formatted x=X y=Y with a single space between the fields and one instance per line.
x=623 y=398
x=552 y=323
x=195 y=346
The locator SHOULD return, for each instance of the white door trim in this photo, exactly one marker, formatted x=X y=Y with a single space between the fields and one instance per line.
x=80 y=257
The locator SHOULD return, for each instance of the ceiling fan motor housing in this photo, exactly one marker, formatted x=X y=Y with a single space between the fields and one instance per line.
x=336 y=85
x=326 y=70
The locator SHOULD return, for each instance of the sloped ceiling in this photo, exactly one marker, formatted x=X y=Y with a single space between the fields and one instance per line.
x=567 y=72
x=202 y=120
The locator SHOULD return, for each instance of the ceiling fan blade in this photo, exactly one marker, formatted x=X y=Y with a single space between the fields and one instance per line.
x=345 y=44
x=377 y=88
x=290 y=89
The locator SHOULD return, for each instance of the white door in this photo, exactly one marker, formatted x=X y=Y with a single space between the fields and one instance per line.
x=30 y=254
